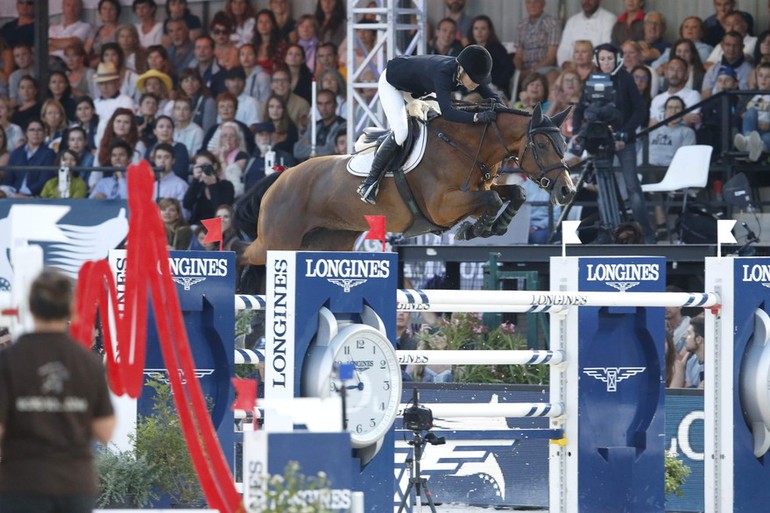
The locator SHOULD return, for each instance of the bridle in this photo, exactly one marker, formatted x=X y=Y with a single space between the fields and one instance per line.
x=552 y=133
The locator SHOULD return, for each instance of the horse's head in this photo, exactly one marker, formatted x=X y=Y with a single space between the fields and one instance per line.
x=542 y=158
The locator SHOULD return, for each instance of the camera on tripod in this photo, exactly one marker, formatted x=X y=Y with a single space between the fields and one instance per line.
x=600 y=114
x=418 y=417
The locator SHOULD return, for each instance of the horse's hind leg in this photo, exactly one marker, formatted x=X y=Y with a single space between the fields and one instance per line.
x=516 y=197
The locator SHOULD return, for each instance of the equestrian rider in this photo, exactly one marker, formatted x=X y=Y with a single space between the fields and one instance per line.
x=421 y=75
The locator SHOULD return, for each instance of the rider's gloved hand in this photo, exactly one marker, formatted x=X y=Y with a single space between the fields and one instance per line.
x=485 y=117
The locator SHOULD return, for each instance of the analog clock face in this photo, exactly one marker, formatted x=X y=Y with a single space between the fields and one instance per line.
x=374 y=392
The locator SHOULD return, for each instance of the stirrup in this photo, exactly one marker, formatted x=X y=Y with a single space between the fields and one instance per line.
x=368 y=192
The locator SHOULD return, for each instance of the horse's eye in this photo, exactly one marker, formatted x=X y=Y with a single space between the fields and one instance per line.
x=541 y=145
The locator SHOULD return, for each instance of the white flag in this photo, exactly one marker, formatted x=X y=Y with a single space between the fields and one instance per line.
x=569 y=232
x=725 y=231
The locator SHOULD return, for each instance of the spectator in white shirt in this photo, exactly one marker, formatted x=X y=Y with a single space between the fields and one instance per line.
x=167 y=184
x=185 y=131
x=107 y=81
x=676 y=76
x=593 y=23
x=70 y=29
x=248 y=108
x=150 y=31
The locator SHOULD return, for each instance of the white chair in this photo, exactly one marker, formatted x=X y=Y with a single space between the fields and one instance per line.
x=689 y=169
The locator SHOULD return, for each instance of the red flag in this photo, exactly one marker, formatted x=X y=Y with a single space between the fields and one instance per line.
x=214 y=227
x=246 y=394
x=376 y=229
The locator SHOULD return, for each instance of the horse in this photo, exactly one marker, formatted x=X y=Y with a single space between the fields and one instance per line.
x=314 y=205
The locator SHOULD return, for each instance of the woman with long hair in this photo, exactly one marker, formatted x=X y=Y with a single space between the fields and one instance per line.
x=109 y=14
x=27 y=108
x=241 y=13
x=482 y=32
x=270 y=46
x=204 y=108
x=257 y=79
x=301 y=78
x=164 y=133
x=80 y=76
x=232 y=155
x=566 y=92
x=135 y=58
x=286 y=24
x=332 y=21
x=54 y=120
x=150 y=31
x=761 y=54
x=643 y=79
x=59 y=89
x=225 y=51
x=77 y=189
x=685 y=49
x=112 y=52
x=122 y=125
x=87 y=119
x=178 y=232
x=285 y=130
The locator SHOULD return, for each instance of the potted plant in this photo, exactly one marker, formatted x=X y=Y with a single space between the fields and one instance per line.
x=125 y=479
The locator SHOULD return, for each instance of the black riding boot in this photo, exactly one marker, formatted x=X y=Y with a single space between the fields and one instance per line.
x=371 y=184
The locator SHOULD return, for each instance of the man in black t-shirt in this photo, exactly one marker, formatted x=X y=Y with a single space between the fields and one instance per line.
x=53 y=401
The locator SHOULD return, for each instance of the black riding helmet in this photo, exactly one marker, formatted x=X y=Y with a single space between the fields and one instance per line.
x=476 y=62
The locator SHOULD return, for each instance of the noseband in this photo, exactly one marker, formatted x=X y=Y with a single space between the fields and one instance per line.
x=552 y=133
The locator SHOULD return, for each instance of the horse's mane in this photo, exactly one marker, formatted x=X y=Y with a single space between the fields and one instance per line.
x=487 y=105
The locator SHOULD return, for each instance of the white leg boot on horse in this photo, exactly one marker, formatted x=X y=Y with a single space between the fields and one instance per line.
x=386 y=154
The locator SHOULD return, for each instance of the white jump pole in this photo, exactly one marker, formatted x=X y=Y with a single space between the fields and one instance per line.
x=510 y=410
x=480 y=357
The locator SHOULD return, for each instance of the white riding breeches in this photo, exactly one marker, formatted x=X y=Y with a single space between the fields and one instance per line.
x=392 y=101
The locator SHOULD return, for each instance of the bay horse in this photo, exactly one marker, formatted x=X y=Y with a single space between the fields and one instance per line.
x=314 y=205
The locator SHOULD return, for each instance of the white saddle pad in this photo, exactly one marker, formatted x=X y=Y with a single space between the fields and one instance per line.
x=361 y=163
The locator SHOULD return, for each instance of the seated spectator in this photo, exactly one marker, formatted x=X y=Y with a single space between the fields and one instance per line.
x=270 y=47
x=566 y=92
x=676 y=77
x=297 y=107
x=433 y=373
x=694 y=367
x=158 y=60
x=332 y=21
x=405 y=339
x=327 y=126
x=665 y=140
x=23 y=60
x=113 y=185
x=208 y=188
x=582 y=59
x=86 y=118
x=109 y=14
x=301 y=78
x=257 y=79
x=284 y=132
x=145 y=119
x=538 y=37
x=227 y=106
x=341 y=144
x=733 y=57
x=75 y=140
x=642 y=78
x=121 y=125
x=632 y=57
x=483 y=33
x=180 y=48
x=691 y=29
x=113 y=53
x=654 y=33
x=71 y=27
x=204 y=113
x=199 y=235
x=710 y=130
x=27 y=108
x=178 y=10
x=14 y=135
x=80 y=77
x=232 y=155
x=178 y=233
x=185 y=131
x=150 y=31
x=755 y=137
x=19 y=184
x=167 y=184
x=158 y=84
x=332 y=80
x=59 y=89
x=715 y=24
x=110 y=98
x=287 y=26
x=4 y=153
x=327 y=57
x=685 y=49
x=248 y=108
x=630 y=23
x=164 y=134
x=593 y=23
x=135 y=56
x=534 y=91
x=209 y=72
x=18 y=31
x=444 y=42
x=734 y=22
x=229 y=231
x=255 y=168
x=77 y=188
x=54 y=123
x=241 y=15
x=761 y=54
x=225 y=51
x=307 y=38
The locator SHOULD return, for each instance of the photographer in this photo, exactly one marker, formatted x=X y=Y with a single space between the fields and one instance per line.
x=207 y=191
x=621 y=110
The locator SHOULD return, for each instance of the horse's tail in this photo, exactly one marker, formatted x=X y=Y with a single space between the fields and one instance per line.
x=247 y=206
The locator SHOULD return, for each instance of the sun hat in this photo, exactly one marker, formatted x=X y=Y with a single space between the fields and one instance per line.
x=153 y=73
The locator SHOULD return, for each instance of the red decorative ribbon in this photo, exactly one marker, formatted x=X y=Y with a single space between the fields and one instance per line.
x=148 y=277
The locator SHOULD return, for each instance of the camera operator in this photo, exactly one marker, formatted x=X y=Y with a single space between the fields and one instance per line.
x=621 y=109
x=207 y=191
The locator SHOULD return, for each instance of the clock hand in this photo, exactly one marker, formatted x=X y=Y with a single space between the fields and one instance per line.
x=360 y=386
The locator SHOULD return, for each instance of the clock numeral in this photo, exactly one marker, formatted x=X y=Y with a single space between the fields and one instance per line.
x=386 y=385
x=372 y=422
x=346 y=350
x=334 y=387
x=382 y=406
x=359 y=428
x=374 y=349
x=383 y=364
x=360 y=344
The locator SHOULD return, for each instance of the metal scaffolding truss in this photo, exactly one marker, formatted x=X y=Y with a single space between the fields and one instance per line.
x=400 y=30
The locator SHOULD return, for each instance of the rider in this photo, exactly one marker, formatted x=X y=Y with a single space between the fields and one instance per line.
x=421 y=75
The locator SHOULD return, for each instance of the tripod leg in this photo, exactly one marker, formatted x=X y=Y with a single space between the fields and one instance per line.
x=428 y=495
x=405 y=498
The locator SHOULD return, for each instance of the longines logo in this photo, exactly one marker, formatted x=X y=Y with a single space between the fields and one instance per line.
x=757 y=273
x=187 y=281
x=622 y=277
x=613 y=375
x=363 y=365
x=162 y=374
x=345 y=283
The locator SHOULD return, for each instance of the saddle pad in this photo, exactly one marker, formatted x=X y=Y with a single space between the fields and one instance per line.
x=361 y=163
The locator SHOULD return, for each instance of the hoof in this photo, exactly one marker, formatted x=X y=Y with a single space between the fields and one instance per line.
x=465 y=231
x=499 y=229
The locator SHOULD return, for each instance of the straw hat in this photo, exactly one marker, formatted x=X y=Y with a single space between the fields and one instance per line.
x=106 y=72
x=153 y=73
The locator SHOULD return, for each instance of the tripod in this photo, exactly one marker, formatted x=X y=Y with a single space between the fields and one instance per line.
x=416 y=481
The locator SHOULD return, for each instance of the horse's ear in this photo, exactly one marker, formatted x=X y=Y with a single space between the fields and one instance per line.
x=559 y=118
x=537 y=115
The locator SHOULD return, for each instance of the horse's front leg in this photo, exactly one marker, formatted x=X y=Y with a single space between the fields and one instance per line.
x=515 y=196
x=484 y=204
